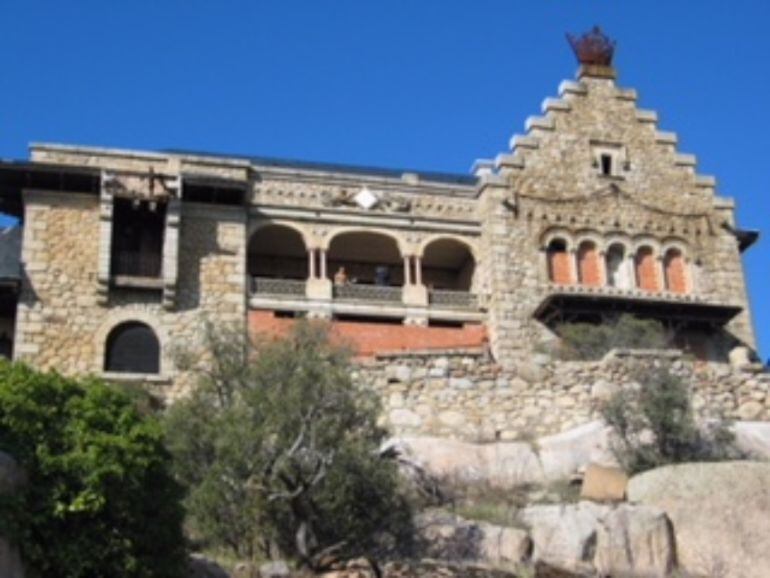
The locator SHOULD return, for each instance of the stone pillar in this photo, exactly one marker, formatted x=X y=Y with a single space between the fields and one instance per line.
x=311 y=263
x=171 y=252
x=414 y=293
x=318 y=286
x=407 y=271
x=105 y=239
x=322 y=258
x=418 y=269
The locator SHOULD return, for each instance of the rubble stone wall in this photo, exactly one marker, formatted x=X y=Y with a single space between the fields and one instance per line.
x=465 y=395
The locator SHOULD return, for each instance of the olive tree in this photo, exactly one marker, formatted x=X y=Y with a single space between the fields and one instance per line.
x=279 y=448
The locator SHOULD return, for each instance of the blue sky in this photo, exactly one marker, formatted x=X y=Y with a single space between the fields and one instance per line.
x=428 y=84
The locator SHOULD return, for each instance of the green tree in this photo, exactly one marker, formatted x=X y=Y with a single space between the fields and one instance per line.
x=280 y=449
x=99 y=499
x=654 y=425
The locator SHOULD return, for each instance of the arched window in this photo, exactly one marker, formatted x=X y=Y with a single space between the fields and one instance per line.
x=589 y=265
x=647 y=277
x=675 y=271
x=448 y=264
x=559 y=266
x=132 y=347
x=617 y=272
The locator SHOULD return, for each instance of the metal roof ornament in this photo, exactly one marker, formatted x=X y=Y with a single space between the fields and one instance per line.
x=593 y=48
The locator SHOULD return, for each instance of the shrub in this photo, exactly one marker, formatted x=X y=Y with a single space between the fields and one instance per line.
x=99 y=498
x=280 y=448
x=654 y=425
x=593 y=341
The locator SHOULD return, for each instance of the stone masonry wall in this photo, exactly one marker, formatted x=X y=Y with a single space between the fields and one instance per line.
x=60 y=324
x=464 y=395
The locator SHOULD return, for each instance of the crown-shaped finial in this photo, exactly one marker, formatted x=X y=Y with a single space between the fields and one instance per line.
x=593 y=48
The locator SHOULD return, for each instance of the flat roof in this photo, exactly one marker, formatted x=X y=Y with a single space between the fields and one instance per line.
x=433 y=176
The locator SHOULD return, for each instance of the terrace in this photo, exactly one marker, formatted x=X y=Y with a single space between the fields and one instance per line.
x=362 y=273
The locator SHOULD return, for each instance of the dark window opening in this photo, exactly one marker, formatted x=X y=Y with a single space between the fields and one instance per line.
x=137 y=238
x=132 y=347
x=606 y=164
x=286 y=314
x=370 y=319
x=445 y=323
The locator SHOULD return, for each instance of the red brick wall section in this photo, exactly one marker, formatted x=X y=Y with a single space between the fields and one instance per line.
x=676 y=272
x=368 y=338
x=560 y=267
x=589 y=266
x=647 y=270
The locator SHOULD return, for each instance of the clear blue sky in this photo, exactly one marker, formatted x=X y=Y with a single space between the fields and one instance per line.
x=428 y=84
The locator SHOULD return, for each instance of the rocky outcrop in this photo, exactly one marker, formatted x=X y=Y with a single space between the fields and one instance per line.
x=590 y=538
x=505 y=464
x=447 y=537
x=720 y=513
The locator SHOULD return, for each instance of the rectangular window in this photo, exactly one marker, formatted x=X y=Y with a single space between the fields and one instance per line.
x=137 y=238
x=606 y=164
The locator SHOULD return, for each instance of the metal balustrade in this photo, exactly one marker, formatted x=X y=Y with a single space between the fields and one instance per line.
x=270 y=286
x=368 y=292
x=453 y=298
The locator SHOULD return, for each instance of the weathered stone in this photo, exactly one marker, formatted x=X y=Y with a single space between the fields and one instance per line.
x=604 y=484
x=634 y=542
x=445 y=536
x=719 y=512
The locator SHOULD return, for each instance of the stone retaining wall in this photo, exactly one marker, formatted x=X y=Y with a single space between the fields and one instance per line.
x=465 y=395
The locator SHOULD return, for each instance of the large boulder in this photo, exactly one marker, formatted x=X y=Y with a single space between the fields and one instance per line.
x=720 y=513
x=505 y=464
x=588 y=538
x=445 y=536
x=634 y=541
x=753 y=437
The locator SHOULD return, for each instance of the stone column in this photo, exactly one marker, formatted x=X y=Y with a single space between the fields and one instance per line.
x=318 y=286
x=322 y=258
x=414 y=293
x=311 y=263
x=418 y=269
x=407 y=270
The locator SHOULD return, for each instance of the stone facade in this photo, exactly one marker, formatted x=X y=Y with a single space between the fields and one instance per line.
x=467 y=396
x=592 y=204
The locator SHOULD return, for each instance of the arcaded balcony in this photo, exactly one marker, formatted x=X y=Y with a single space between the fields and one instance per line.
x=360 y=272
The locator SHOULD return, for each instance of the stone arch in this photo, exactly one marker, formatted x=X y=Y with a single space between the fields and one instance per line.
x=401 y=242
x=559 y=260
x=123 y=318
x=589 y=264
x=367 y=256
x=616 y=265
x=558 y=233
x=646 y=267
x=675 y=271
x=448 y=262
x=277 y=250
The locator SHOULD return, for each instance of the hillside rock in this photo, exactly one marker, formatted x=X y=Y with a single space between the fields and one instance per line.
x=505 y=464
x=587 y=538
x=634 y=541
x=448 y=537
x=720 y=513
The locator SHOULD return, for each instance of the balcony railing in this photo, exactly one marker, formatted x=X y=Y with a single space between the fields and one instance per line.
x=136 y=264
x=270 y=286
x=452 y=298
x=368 y=292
